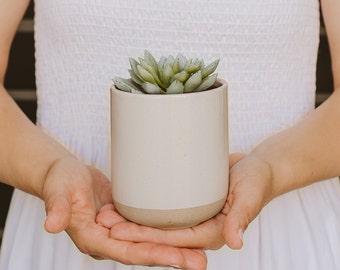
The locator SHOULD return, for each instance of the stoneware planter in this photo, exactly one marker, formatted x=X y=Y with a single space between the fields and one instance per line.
x=169 y=156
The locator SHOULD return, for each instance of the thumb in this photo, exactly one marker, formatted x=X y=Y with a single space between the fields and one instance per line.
x=250 y=190
x=243 y=209
x=58 y=211
x=232 y=230
x=235 y=224
x=234 y=158
x=57 y=196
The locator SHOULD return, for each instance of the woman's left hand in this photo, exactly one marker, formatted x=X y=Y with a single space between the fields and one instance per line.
x=249 y=191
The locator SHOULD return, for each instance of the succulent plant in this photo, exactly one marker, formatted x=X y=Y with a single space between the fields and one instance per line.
x=170 y=75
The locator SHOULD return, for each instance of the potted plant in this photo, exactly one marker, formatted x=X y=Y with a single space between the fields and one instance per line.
x=169 y=142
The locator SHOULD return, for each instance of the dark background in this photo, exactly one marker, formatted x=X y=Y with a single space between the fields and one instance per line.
x=20 y=82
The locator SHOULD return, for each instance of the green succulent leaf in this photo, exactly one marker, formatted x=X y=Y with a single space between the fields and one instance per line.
x=150 y=69
x=151 y=88
x=192 y=66
x=170 y=60
x=175 y=87
x=193 y=82
x=135 y=78
x=167 y=74
x=209 y=69
x=126 y=85
x=160 y=65
x=148 y=57
x=145 y=75
x=202 y=64
x=182 y=61
x=181 y=76
x=161 y=62
x=134 y=63
x=175 y=67
x=206 y=83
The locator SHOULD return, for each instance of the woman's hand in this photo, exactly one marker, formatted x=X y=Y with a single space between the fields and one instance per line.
x=73 y=194
x=249 y=191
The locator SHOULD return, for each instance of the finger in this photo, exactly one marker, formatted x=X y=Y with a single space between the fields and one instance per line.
x=207 y=235
x=249 y=191
x=154 y=255
x=107 y=207
x=57 y=197
x=234 y=158
x=151 y=254
x=234 y=228
x=242 y=211
x=98 y=258
x=58 y=212
x=107 y=216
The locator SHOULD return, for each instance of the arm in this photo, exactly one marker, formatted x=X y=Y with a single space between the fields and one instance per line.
x=310 y=151
x=20 y=153
x=301 y=155
x=32 y=161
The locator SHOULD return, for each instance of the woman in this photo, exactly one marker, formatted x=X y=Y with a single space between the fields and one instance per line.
x=268 y=53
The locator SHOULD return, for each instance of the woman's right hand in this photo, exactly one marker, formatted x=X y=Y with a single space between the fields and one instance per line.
x=74 y=193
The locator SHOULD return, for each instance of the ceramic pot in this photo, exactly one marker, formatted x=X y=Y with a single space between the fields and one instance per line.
x=169 y=156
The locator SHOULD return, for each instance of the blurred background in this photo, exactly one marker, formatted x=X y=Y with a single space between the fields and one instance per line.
x=20 y=83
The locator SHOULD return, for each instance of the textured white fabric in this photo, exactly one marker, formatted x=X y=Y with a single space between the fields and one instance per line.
x=268 y=51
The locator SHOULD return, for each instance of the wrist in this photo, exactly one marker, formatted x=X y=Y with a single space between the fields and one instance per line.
x=285 y=168
x=31 y=160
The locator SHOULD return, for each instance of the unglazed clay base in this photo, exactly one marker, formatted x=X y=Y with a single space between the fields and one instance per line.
x=170 y=219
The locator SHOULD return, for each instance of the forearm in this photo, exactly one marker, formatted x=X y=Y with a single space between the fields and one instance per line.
x=26 y=153
x=306 y=153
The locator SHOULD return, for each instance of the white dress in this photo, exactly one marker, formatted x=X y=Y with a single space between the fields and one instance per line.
x=268 y=51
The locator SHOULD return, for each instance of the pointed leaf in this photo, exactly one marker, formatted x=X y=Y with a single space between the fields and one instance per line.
x=145 y=75
x=151 y=88
x=175 y=67
x=149 y=69
x=182 y=61
x=206 y=83
x=193 y=66
x=209 y=69
x=134 y=77
x=148 y=57
x=167 y=74
x=170 y=60
x=175 y=87
x=161 y=61
x=202 y=64
x=181 y=76
x=193 y=82
x=160 y=65
x=126 y=85
x=134 y=63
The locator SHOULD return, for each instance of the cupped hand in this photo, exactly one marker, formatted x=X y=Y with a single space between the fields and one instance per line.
x=73 y=194
x=249 y=191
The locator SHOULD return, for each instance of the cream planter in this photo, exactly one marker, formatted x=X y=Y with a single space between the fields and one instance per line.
x=169 y=156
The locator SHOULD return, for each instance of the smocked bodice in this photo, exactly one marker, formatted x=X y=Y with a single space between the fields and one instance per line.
x=267 y=49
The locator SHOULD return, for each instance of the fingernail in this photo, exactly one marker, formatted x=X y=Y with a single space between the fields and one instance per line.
x=240 y=234
x=176 y=266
